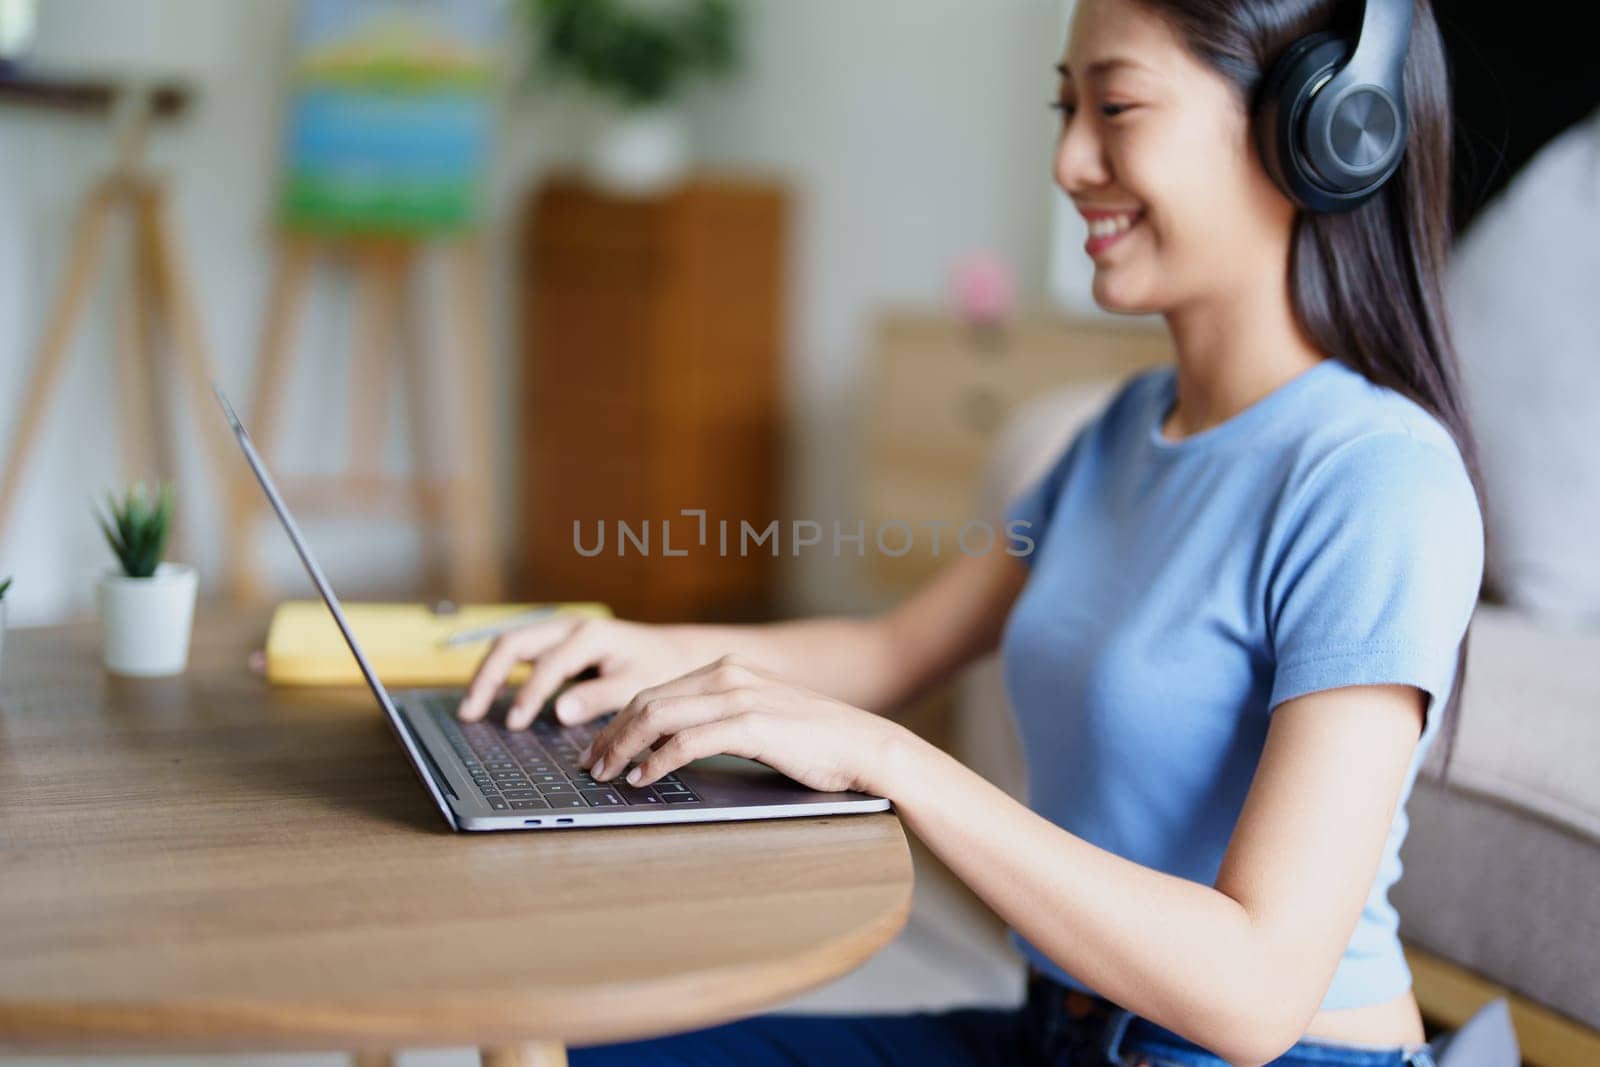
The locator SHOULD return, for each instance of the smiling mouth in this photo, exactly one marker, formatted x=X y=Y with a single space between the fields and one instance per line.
x=1107 y=229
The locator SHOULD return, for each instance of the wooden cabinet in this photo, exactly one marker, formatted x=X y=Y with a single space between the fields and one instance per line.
x=651 y=385
x=942 y=389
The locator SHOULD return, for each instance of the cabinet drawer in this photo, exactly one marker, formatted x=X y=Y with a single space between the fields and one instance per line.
x=945 y=390
x=941 y=391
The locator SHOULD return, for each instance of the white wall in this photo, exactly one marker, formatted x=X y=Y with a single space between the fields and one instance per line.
x=914 y=131
x=911 y=130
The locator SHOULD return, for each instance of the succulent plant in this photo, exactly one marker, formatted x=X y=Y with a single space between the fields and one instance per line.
x=136 y=527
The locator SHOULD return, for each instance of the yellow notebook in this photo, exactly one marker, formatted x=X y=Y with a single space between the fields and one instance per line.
x=403 y=642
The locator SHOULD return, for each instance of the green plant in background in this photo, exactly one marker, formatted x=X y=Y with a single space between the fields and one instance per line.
x=5 y=583
x=639 y=53
x=136 y=527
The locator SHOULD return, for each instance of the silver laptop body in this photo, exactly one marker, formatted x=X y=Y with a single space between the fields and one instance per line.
x=485 y=777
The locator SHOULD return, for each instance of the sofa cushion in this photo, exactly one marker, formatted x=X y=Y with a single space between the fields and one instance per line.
x=1504 y=892
x=1501 y=868
x=1529 y=731
x=1526 y=322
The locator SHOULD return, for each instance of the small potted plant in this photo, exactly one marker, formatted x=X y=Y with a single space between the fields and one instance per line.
x=638 y=56
x=146 y=606
x=5 y=584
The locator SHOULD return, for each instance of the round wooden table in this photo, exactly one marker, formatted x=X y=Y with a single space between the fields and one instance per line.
x=208 y=863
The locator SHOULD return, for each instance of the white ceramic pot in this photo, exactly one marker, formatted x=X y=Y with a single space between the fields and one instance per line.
x=640 y=152
x=145 y=622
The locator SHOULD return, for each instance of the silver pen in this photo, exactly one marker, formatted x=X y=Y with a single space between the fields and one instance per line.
x=495 y=629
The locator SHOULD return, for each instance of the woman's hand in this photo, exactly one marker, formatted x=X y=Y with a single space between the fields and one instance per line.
x=732 y=707
x=628 y=656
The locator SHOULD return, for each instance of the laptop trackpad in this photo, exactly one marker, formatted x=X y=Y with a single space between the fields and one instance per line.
x=735 y=780
x=725 y=767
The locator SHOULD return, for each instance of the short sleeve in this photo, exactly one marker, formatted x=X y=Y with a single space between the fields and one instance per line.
x=1379 y=570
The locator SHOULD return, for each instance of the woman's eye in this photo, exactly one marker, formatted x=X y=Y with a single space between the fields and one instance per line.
x=1110 y=111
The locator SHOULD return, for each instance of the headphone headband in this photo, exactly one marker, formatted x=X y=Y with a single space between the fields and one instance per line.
x=1380 y=53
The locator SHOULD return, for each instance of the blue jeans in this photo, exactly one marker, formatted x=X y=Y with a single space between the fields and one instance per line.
x=1053 y=1028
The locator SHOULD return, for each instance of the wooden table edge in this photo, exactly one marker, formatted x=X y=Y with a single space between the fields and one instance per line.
x=656 y=1006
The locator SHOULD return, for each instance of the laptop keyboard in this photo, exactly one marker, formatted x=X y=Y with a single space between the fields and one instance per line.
x=537 y=769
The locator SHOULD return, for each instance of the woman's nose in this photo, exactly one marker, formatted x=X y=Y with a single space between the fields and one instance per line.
x=1080 y=157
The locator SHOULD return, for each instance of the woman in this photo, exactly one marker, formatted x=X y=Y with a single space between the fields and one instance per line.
x=1240 y=629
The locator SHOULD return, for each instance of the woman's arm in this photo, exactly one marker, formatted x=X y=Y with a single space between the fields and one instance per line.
x=1239 y=967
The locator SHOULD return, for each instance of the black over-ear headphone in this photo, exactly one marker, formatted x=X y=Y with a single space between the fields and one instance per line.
x=1330 y=119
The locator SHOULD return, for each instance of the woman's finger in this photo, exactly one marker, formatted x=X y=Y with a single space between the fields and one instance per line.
x=698 y=682
x=717 y=676
x=586 y=701
x=575 y=653
x=490 y=672
x=507 y=650
x=661 y=717
x=732 y=736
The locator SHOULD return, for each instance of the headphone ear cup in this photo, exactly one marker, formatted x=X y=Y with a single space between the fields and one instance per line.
x=1280 y=110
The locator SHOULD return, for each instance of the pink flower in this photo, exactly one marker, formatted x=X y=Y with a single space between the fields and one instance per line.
x=983 y=287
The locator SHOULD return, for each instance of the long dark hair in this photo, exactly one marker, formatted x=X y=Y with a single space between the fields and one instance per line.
x=1367 y=285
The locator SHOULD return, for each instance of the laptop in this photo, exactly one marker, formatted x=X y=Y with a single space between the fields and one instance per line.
x=482 y=776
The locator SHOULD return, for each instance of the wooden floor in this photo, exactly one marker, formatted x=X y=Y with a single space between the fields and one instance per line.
x=1449 y=995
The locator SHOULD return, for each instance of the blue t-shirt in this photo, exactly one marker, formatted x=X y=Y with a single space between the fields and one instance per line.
x=1328 y=535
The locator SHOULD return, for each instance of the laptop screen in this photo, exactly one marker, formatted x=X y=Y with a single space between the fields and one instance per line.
x=407 y=741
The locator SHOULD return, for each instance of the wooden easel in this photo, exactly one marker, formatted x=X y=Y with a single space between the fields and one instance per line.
x=461 y=504
x=158 y=301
